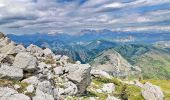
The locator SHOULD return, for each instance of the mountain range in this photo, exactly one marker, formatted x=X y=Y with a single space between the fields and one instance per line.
x=144 y=50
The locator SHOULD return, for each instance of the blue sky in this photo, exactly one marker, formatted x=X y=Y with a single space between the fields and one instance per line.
x=72 y=16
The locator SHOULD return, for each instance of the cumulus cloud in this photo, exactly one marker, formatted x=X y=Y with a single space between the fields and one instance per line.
x=71 y=16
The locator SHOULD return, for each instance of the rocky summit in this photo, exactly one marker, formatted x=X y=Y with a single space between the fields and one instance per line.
x=46 y=76
x=34 y=73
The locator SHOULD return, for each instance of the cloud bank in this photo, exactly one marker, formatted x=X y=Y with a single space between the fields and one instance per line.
x=71 y=16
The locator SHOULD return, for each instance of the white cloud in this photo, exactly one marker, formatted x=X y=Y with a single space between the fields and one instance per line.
x=52 y=16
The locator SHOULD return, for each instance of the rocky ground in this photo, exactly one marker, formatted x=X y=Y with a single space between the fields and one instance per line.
x=34 y=73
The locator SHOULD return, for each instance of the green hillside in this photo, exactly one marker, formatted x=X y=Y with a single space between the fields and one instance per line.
x=154 y=62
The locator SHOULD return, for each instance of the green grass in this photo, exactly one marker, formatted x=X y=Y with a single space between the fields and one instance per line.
x=134 y=93
x=123 y=91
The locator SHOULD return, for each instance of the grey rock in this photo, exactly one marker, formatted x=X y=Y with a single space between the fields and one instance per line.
x=11 y=72
x=33 y=49
x=30 y=89
x=100 y=73
x=80 y=75
x=25 y=61
x=152 y=92
x=108 y=88
x=17 y=49
x=6 y=59
x=71 y=89
x=31 y=80
x=42 y=96
x=8 y=48
x=4 y=42
x=45 y=87
x=5 y=91
x=11 y=94
x=58 y=70
x=47 y=52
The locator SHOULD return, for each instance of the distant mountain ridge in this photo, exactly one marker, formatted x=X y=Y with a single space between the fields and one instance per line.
x=138 y=49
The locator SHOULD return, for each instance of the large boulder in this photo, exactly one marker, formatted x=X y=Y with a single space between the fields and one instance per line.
x=8 y=48
x=17 y=49
x=152 y=92
x=47 y=52
x=5 y=91
x=33 y=49
x=45 y=87
x=79 y=74
x=11 y=94
x=11 y=72
x=25 y=61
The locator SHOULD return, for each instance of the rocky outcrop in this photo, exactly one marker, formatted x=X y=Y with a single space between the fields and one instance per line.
x=152 y=92
x=35 y=50
x=44 y=75
x=11 y=72
x=25 y=61
x=80 y=75
x=38 y=74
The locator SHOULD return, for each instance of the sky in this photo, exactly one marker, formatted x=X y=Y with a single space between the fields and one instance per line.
x=72 y=16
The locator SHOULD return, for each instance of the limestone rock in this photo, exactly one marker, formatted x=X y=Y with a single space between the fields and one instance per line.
x=108 y=88
x=6 y=59
x=5 y=91
x=45 y=87
x=11 y=72
x=152 y=92
x=47 y=52
x=33 y=49
x=8 y=48
x=30 y=89
x=42 y=96
x=100 y=73
x=71 y=89
x=10 y=94
x=32 y=80
x=58 y=70
x=4 y=42
x=17 y=49
x=80 y=75
x=25 y=61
